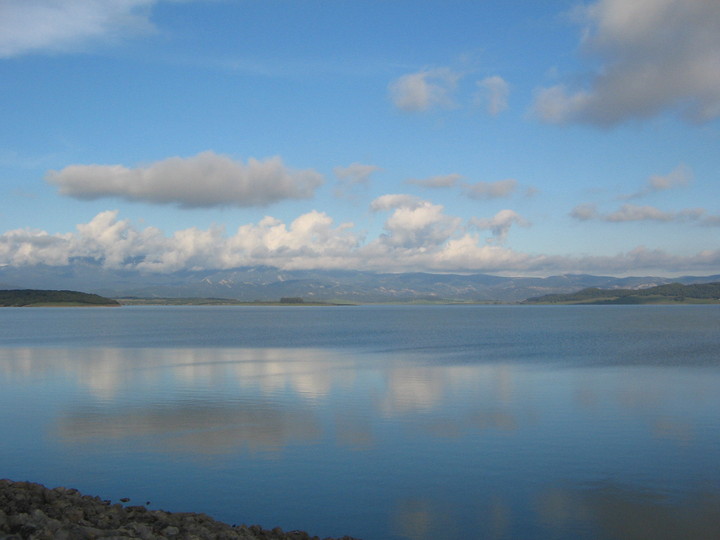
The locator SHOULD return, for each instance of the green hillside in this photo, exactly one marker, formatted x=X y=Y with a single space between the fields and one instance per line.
x=704 y=293
x=33 y=297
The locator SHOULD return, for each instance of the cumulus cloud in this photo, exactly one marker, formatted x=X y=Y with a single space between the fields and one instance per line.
x=28 y=247
x=632 y=212
x=491 y=190
x=681 y=176
x=441 y=181
x=395 y=200
x=204 y=180
x=309 y=241
x=51 y=25
x=499 y=225
x=654 y=55
x=493 y=93
x=418 y=237
x=424 y=90
x=414 y=222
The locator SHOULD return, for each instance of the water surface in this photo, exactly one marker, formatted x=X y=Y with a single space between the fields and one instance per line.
x=382 y=422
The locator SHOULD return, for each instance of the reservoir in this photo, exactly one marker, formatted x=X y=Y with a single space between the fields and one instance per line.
x=379 y=422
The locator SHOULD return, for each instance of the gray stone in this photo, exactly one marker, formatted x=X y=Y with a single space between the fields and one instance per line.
x=31 y=511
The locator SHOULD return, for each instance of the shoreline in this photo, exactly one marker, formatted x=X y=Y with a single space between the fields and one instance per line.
x=32 y=511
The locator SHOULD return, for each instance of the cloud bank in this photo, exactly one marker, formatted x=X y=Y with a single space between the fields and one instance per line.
x=205 y=180
x=417 y=236
x=654 y=55
x=56 y=26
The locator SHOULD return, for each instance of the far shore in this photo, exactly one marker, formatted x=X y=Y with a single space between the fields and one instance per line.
x=192 y=301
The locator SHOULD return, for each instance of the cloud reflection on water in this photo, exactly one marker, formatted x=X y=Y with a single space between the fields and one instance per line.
x=215 y=401
x=622 y=511
x=219 y=428
x=606 y=510
x=107 y=372
x=138 y=392
x=492 y=417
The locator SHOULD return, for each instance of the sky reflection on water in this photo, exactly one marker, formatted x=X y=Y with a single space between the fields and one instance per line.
x=395 y=444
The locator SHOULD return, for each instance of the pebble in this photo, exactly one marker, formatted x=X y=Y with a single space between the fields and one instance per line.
x=30 y=511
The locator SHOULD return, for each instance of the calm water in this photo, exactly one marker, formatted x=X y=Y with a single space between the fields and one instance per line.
x=390 y=422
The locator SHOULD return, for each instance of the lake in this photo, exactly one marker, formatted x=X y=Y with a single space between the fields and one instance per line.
x=381 y=422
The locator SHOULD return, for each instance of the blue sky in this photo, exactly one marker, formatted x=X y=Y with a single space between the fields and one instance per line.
x=507 y=137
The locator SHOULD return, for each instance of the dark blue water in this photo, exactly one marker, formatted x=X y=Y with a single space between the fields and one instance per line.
x=379 y=422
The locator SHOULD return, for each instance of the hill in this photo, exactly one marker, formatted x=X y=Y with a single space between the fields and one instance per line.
x=265 y=283
x=661 y=294
x=33 y=297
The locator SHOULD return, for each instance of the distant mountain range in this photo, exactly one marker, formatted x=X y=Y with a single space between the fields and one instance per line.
x=269 y=284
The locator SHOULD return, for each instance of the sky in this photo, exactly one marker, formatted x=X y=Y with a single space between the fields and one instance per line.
x=499 y=136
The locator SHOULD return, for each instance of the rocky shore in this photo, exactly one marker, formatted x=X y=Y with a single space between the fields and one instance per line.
x=32 y=511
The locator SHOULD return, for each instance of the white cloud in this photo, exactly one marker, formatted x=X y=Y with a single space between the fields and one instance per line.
x=494 y=92
x=655 y=55
x=395 y=200
x=415 y=223
x=309 y=241
x=441 y=181
x=632 y=212
x=468 y=251
x=556 y=106
x=204 y=180
x=424 y=90
x=355 y=173
x=61 y=25
x=27 y=247
x=681 y=176
x=491 y=190
x=418 y=237
x=499 y=225
x=637 y=261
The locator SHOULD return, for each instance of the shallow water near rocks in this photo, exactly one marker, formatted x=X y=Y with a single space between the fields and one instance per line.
x=380 y=422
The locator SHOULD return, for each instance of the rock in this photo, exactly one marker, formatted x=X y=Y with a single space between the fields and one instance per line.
x=31 y=511
x=171 y=531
